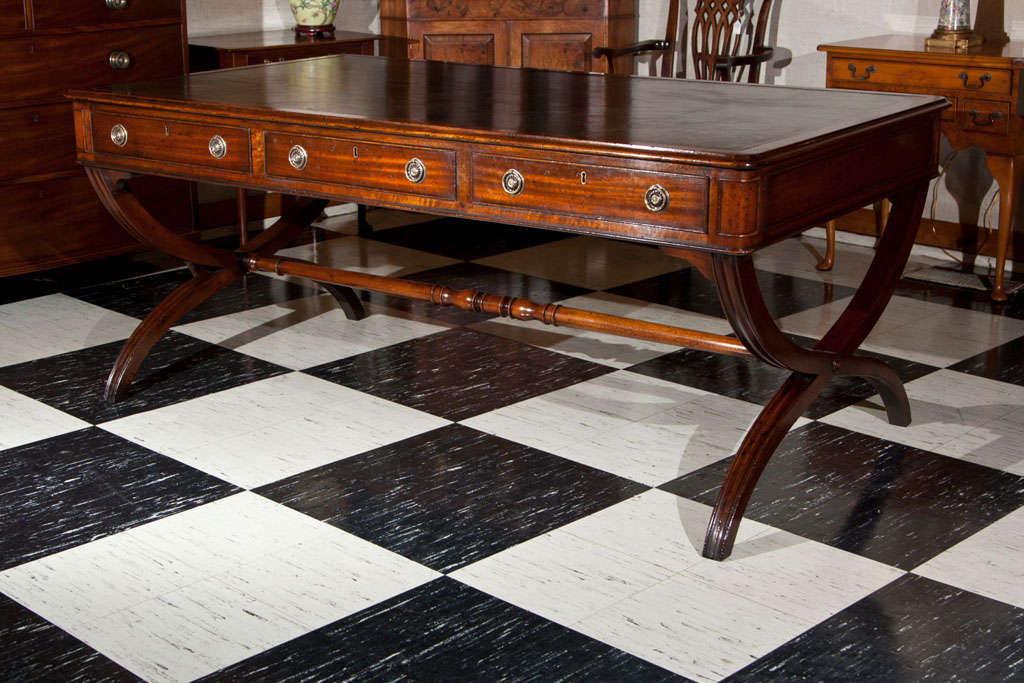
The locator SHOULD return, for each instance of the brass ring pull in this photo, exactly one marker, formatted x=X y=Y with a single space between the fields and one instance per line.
x=656 y=198
x=116 y=4
x=218 y=147
x=513 y=182
x=119 y=60
x=992 y=118
x=867 y=72
x=297 y=157
x=119 y=135
x=415 y=171
x=982 y=80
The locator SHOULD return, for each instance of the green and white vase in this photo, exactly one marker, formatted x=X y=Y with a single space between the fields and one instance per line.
x=312 y=16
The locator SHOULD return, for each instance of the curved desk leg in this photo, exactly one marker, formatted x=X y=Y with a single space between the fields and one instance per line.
x=1008 y=172
x=187 y=296
x=829 y=259
x=813 y=368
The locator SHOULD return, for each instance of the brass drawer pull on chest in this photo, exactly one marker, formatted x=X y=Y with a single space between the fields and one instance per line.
x=867 y=72
x=119 y=135
x=992 y=118
x=981 y=81
x=656 y=198
x=297 y=157
x=415 y=170
x=116 y=4
x=218 y=147
x=512 y=182
x=119 y=60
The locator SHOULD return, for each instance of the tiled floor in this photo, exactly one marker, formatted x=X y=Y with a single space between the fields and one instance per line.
x=287 y=495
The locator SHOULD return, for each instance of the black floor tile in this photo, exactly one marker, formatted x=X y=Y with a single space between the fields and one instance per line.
x=1004 y=363
x=886 y=501
x=465 y=239
x=691 y=291
x=84 y=485
x=178 y=368
x=137 y=297
x=914 y=629
x=36 y=650
x=458 y=373
x=753 y=381
x=444 y=631
x=451 y=496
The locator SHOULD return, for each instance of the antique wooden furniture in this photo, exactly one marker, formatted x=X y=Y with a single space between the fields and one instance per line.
x=985 y=87
x=263 y=47
x=720 y=47
x=709 y=172
x=547 y=34
x=49 y=215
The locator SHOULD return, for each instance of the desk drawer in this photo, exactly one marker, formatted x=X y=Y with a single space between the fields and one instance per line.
x=866 y=74
x=985 y=116
x=395 y=168
x=37 y=140
x=593 y=191
x=173 y=141
x=60 y=13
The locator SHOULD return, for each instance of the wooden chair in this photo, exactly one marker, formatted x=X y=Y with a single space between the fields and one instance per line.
x=718 y=51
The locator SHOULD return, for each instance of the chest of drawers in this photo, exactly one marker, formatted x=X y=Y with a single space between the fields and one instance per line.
x=52 y=217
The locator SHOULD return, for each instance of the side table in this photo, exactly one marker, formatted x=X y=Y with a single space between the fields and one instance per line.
x=985 y=87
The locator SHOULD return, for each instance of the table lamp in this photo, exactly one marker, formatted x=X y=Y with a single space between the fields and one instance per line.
x=954 y=30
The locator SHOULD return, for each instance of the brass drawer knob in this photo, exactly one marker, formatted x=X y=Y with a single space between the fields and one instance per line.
x=415 y=170
x=119 y=135
x=116 y=4
x=297 y=157
x=512 y=182
x=119 y=60
x=218 y=147
x=656 y=198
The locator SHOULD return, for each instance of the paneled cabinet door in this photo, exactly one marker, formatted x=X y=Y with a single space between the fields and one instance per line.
x=564 y=44
x=469 y=42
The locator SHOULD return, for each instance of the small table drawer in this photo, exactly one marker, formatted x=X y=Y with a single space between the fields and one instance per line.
x=647 y=197
x=221 y=147
x=985 y=116
x=865 y=74
x=397 y=168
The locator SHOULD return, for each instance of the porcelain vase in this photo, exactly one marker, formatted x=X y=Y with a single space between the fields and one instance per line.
x=313 y=13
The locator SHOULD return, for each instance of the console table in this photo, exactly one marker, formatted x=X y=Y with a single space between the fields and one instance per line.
x=985 y=87
x=709 y=172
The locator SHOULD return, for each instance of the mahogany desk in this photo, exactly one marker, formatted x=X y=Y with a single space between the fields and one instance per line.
x=985 y=87
x=708 y=172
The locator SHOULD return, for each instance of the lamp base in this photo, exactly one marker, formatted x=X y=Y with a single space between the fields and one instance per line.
x=954 y=41
x=313 y=32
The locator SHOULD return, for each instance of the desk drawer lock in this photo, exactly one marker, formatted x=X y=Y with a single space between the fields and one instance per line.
x=512 y=182
x=119 y=135
x=218 y=147
x=415 y=170
x=656 y=198
x=297 y=157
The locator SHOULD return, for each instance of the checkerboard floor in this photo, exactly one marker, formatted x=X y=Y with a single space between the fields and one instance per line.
x=432 y=494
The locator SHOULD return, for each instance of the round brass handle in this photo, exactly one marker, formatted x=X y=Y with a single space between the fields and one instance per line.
x=116 y=4
x=513 y=182
x=218 y=147
x=297 y=157
x=119 y=135
x=656 y=198
x=415 y=170
x=119 y=59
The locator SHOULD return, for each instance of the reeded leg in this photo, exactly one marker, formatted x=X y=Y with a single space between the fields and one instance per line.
x=830 y=247
x=813 y=368
x=1008 y=172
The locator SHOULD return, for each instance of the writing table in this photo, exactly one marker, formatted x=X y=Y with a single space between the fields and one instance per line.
x=709 y=172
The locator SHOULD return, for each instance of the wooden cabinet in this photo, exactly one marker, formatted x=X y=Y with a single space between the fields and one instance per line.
x=51 y=216
x=549 y=34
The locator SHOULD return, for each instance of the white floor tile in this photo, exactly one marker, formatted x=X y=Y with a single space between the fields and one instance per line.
x=305 y=332
x=186 y=595
x=49 y=325
x=619 y=352
x=990 y=563
x=963 y=416
x=367 y=256
x=267 y=430
x=26 y=420
x=921 y=331
x=587 y=262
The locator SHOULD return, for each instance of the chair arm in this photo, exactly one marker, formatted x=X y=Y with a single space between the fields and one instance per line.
x=637 y=48
x=727 y=62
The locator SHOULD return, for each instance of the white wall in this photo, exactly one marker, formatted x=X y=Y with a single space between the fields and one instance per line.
x=800 y=26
